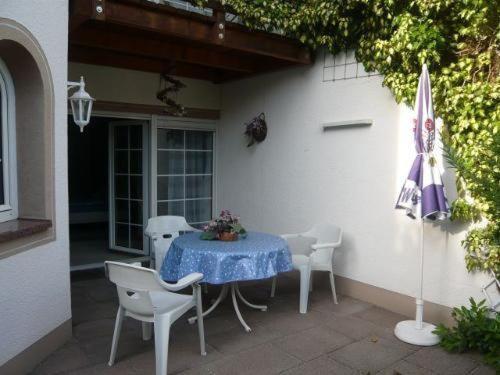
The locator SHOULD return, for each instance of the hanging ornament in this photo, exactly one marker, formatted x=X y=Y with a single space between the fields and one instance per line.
x=167 y=93
x=256 y=130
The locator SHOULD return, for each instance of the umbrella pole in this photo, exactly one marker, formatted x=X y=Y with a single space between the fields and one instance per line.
x=417 y=332
x=419 y=315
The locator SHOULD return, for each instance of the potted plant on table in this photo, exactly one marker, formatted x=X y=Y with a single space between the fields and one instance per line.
x=226 y=227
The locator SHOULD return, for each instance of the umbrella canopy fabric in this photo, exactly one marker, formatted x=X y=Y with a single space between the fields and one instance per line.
x=423 y=194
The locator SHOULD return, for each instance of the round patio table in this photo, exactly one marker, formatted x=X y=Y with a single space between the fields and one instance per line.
x=257 y=256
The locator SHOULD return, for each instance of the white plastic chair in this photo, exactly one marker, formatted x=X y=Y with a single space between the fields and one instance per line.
x=313 y=251
x=161 y=226
x=145 y=297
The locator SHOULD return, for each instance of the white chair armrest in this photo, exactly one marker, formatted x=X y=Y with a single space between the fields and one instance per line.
x=183 y=283
x=325 y=245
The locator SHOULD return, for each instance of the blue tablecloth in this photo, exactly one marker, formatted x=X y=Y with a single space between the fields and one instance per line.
x=258 y=256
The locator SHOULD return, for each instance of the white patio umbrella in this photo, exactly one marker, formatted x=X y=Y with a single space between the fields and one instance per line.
x=423 y=196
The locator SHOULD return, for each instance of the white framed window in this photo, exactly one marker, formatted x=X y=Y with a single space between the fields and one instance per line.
x=8 y=160
x=183 y=166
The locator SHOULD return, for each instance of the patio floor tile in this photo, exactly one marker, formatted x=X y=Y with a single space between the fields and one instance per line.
x=312 y=343
x=483 y=370
x=405 y=368
x=263 y=360
x=442 y=362
x=347 y=306
x=381 y=317
x=236 y=340
x=353 y=337
x=180 y=358
x=68 y=358
x=367 y=355
x=321 y=366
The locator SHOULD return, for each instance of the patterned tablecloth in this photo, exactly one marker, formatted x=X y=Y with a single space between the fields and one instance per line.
x=258 y=256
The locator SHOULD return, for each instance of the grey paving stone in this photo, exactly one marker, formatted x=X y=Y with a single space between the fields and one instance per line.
x=69 y=357
x=483 y=370
x=405 y=368
x=346 y=305
x=180 y=358
x=312 y=343
x=381 y=317
x=262 y=360
x=442 y=362
x=321 y=366
x=367 y=355
x=281 y=337
x=236 y=340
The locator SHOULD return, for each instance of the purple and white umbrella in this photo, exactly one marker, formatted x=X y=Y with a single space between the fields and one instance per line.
x=423 y=195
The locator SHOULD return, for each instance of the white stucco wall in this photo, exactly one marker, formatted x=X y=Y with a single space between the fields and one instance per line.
x=301 y=175
x=132 y=86
x=34 y=285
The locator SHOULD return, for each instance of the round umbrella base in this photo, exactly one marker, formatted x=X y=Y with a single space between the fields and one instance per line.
x=407 y=331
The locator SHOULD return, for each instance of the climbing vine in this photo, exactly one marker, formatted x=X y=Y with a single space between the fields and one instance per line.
x=459 y=41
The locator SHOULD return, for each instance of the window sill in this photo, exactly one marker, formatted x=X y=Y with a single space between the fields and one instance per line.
x=20 y=228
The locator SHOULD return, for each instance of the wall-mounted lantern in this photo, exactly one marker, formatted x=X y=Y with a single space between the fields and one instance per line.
x=81 y=104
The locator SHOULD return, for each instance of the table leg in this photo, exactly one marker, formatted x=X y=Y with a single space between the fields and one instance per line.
x=222 y=296
x=258 y=307
x=234 y=287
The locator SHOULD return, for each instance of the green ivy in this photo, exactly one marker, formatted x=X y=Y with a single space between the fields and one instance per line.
x=459 y=41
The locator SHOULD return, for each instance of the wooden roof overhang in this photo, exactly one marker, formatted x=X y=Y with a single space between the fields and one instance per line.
x=142 y=35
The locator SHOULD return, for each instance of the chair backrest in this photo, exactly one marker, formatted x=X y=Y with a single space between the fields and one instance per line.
x=134 y=284
x=163 y=225
x=160 y=226
x=325 y=233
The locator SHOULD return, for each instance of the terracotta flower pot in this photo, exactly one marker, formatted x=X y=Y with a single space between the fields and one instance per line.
x=228 y=236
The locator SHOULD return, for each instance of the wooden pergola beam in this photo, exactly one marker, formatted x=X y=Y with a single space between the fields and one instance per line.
x=94 y=56
x=188 y=26
x=128 y=43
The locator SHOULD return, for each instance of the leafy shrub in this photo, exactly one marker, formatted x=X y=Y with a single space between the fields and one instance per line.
x=475 y=329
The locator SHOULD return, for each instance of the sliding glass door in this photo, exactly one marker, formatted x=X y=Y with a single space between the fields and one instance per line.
x=129 y=171
x=184 y=174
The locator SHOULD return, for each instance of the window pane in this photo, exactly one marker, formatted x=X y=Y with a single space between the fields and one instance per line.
x=136 y=162
x=198 y=186
x=121 y=137
x=198 y=162
x=170 y=188
x=121 y=210
x=199 y=210
x=121 y=235
x=121 y=162
x=136 y=187
x=136 y=237
x=136 y=212
x=170 y=162
x=121 y=186
x=136 y=136
x=199 y=140
x=169 y=138
x=171 y=208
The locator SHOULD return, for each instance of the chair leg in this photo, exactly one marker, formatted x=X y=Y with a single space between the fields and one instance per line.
x=332 y=283
x=162 y=333
x=273 y=286
x=311 y=282
x=305 y=277
x=116 y=335
x=147 y=331
x=199 y=315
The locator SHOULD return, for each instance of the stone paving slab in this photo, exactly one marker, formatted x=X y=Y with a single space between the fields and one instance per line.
x=353 y=337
